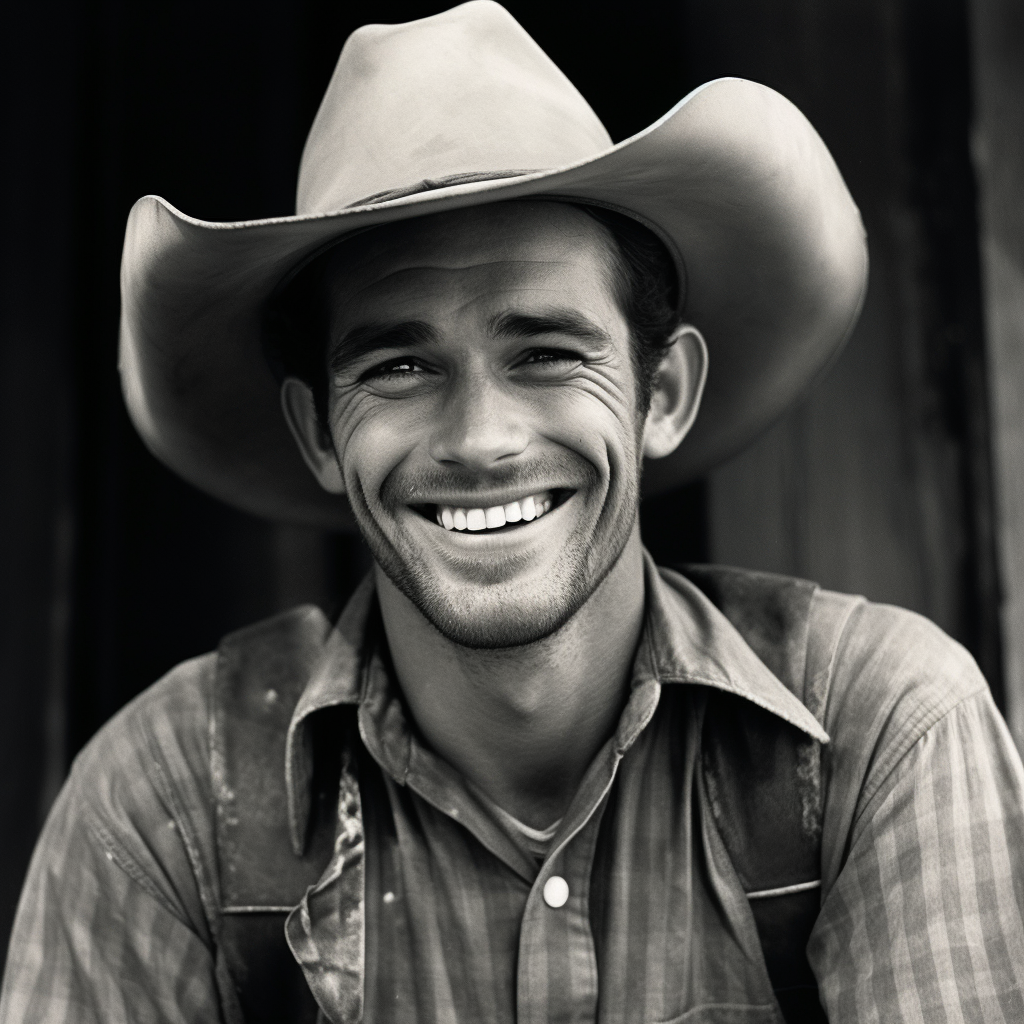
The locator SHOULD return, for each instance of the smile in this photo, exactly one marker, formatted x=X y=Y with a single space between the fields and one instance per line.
x=514 y=513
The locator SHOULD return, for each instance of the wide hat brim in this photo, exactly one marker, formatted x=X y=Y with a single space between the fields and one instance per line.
x=734 y=179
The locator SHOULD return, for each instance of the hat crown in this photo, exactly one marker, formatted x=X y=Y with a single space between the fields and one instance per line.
x=460 y=95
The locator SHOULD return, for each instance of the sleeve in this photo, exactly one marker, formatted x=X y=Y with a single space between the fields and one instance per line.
x=925 y=921
x=113 y=925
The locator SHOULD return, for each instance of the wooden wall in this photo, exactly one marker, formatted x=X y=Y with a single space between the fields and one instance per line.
x=879 y=481
x=997 y=31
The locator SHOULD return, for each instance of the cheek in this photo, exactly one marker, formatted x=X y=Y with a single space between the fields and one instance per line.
x=372 y=436
x=595 y=417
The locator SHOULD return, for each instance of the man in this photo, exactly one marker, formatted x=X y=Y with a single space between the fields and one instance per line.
x=527 y=775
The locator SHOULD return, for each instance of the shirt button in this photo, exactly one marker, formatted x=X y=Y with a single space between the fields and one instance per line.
x=556 y=891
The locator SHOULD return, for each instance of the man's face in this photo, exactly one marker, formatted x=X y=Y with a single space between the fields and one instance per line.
x=483 y=410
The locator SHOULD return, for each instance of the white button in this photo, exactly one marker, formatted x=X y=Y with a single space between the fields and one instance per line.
x=556 y=891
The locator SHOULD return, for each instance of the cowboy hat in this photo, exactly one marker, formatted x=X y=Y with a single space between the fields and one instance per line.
x=461 y=109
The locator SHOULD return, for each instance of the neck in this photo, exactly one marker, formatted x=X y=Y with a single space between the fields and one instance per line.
x=523 y=723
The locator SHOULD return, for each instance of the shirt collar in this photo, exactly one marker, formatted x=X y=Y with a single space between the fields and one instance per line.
x=686 y=639
x=335 y=680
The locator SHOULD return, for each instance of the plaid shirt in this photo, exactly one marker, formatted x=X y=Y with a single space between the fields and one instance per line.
x=922 y=853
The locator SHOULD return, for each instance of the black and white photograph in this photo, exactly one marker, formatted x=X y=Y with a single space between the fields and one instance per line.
x=512 y=512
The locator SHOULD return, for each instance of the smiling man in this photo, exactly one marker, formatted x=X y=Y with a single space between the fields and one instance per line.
x=527 y=775
x=494 y=408
x=500 y=390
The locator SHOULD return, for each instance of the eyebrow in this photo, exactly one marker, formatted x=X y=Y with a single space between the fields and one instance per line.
x=369 y=338
x=532 y=325
x=374 y=337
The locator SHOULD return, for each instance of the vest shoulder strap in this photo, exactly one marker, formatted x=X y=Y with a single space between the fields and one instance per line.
x=763 y=776
x=261 y=673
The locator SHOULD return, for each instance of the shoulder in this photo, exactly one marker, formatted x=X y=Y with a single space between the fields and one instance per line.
x=142 y=793
x=868 y=659
x=892 y=675
x=126 y=869
x=881 y=641
x=163 y=734
x=116 y=904
x=155 y=753
x=895 y=681
x=168 y=720
x=139 y=794
x=156 y=749
x=881 y=680
x=871 y=658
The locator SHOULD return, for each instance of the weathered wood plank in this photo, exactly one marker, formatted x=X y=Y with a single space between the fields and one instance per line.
x=998 y=148
x=879 y=482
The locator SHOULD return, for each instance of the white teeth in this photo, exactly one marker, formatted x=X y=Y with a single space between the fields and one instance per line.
x=476 y=519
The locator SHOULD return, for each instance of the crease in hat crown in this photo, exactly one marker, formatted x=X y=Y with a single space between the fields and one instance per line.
x=463 y=92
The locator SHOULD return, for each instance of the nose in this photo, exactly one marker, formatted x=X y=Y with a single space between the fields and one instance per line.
x=479 y=424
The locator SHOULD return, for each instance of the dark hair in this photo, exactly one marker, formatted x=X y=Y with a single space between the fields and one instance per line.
x=647 y=288
x=649 y=291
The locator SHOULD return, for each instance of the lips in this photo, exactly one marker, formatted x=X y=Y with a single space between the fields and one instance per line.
x=522 y=510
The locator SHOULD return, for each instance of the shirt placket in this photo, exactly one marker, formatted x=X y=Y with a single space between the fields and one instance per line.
x=557 y=980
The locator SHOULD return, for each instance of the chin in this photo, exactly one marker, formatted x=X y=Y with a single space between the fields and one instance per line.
x=509 y=614
x=496 y=616
x=497 y=624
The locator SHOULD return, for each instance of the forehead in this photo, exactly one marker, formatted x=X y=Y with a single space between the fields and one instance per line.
x=478 y=253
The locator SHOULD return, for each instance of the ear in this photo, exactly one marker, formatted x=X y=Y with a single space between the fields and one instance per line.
x=312 y=437
x=678 y=386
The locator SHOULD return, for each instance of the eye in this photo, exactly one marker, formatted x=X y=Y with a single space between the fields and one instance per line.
x=396 y=377
x=549 y=362
x=403 y=366
x=550 y=355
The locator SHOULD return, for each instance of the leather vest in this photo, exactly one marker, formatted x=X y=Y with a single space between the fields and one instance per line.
x=763 y=777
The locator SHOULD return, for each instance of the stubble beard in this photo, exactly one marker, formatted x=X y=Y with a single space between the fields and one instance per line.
x=500 y=616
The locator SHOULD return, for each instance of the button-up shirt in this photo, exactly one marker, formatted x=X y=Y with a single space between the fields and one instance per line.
x=634 y=915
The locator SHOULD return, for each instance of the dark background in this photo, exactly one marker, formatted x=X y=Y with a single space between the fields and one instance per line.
x=111 y=570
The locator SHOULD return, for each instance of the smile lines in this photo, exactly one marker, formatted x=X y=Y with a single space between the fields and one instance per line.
x=473 y=519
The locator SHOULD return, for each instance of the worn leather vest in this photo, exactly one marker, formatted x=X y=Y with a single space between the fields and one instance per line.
x=763 y=775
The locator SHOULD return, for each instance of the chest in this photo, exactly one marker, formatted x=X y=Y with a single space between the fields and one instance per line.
x=423 y=917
